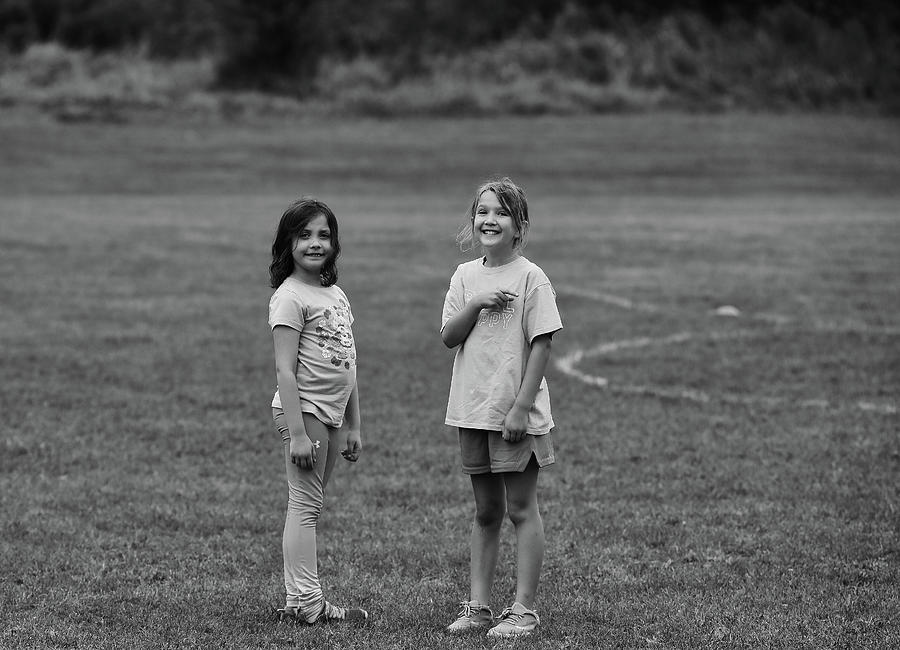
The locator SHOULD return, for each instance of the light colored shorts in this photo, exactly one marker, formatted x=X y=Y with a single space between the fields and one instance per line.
x=486 y=452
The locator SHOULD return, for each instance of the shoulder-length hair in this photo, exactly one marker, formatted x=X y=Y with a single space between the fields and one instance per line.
x=295 y=218
x=511 y=197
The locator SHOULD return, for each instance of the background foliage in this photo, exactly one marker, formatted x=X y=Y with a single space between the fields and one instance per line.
x=475 y=56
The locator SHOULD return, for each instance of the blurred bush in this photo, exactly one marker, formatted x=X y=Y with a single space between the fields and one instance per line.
x=270 y=45
x=77 y=85
x=472 y=57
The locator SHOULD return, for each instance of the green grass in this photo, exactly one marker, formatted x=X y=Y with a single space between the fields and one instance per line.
x=140 y=479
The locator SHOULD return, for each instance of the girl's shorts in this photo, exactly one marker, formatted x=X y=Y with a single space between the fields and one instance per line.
x=486 y=452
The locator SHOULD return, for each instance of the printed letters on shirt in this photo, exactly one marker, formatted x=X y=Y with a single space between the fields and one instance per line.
x=494 y=316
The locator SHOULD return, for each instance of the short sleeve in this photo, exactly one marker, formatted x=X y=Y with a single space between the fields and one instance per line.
x=286 y=308
x=541 y=315
x=455 y=299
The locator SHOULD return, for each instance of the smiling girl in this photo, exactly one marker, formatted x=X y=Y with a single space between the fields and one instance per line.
x=316 y=406
x=500 y=313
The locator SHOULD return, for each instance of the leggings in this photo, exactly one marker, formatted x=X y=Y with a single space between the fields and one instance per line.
x=306 y=495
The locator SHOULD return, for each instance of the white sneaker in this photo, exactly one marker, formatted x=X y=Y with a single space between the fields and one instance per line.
x=517 y=620
x=472 y=616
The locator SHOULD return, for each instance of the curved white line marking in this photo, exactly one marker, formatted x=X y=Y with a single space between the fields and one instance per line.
x=608 y=298
x=568 y=364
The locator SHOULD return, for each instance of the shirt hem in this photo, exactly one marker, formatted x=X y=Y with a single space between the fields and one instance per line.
x=312 y=409
x=294 y=325
x=496 y=427
x=546 y=331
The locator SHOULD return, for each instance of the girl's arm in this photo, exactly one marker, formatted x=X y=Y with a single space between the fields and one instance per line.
x=457 y=328
x=515 y=424
x=352 y=423
x=287 y=339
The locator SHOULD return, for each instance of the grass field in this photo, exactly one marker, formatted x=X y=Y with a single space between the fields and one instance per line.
x=721 y=482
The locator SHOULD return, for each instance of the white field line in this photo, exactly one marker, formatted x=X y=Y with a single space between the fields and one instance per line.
x=568 y=364
x=608 y=298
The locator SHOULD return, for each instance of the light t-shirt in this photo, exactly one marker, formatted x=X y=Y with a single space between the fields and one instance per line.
x=326 y=354
x=490 y=363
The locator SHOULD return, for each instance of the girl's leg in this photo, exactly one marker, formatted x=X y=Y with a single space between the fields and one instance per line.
x=306 y=495
x=329 y=457
x=485 y=542
x=522 y=504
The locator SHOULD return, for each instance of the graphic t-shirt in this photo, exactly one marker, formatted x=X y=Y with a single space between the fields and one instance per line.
x=490 y=363
x=326 y=354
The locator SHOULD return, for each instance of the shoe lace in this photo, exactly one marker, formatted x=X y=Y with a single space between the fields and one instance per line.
x=467 y=611
x=515 y=619
x=509 y=616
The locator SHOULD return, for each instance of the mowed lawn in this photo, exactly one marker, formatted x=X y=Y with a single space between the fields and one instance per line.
x=722 y=481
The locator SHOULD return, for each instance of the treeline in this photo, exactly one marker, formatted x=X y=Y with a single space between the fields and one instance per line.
x=688 y=47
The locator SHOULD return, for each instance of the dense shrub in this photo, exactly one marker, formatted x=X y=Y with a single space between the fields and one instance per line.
x=272 y=45
x=478 y=57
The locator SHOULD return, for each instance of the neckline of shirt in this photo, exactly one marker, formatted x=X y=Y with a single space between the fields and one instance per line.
x=502 y=267
x=297 y=282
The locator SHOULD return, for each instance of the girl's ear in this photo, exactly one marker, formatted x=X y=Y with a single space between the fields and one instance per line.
x=520 y=237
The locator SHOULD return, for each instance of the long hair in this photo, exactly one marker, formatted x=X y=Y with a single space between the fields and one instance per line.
x=511 y=198
x=295 y=218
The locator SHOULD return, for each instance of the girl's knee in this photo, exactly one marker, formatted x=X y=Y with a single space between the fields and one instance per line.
x=305 y=504
x=306 y=492
x=489 y=515
x=305 y=517
x=522 y=511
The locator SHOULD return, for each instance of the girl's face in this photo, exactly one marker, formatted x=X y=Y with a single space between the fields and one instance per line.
x=494 y=227
x=312 y=248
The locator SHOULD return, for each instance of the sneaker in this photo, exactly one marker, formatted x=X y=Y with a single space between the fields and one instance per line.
x=472 y=616
x=333 y=614
x=517 y=620
x=329 y=613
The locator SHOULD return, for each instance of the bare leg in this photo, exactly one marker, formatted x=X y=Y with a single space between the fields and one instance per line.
x=485 y=542
x=522 y=504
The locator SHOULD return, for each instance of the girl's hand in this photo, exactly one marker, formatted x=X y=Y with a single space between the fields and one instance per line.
x=354 y=446
x=496 y=298
x=515 y=424
x=303 y=452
